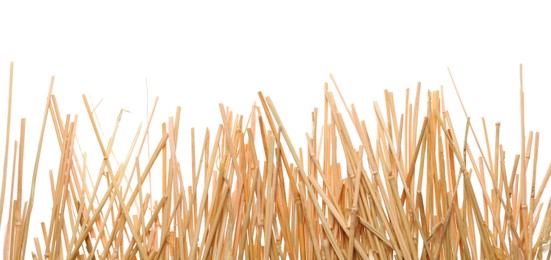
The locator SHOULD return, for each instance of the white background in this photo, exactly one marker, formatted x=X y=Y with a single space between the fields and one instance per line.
x=199 y=55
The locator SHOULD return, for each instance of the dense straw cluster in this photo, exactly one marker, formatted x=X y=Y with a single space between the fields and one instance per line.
x=407 y=190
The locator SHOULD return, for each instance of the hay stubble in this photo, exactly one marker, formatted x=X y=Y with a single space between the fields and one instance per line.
x=408 y=189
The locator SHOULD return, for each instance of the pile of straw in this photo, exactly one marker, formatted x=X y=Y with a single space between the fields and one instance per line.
x=410 y=189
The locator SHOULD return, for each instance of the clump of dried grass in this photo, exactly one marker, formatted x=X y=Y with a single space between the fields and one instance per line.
x=406 y=190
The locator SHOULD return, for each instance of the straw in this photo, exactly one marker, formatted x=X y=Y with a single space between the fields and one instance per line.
x=409 y=188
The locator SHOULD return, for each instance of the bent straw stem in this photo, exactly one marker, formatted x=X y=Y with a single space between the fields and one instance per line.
x=35 y=171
